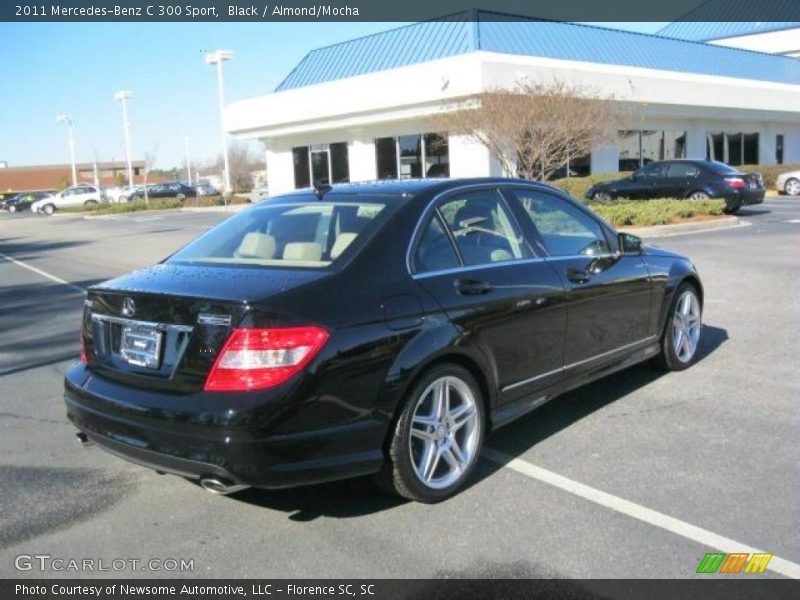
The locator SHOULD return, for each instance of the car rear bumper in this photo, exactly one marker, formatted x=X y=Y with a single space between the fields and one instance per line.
x=173 y=444
x=744 y=197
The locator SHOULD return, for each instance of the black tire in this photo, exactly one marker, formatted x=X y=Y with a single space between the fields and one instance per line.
x=731 y=210
x=399 y=475
x=668 y=360
x=697 y=196
x=90 y=203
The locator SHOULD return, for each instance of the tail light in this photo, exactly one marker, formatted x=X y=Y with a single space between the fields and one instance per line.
x=254 y=359
x=84 y=358
x=735 y=182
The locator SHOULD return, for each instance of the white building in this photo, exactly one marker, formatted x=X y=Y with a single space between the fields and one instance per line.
x=362 y=109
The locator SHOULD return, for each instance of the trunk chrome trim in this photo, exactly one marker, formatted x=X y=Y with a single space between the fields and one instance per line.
x=578 y=363
x=134 y=323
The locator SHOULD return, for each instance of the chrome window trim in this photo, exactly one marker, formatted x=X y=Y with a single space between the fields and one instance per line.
x=506 y=263
x=134 y=322
x=512 y=386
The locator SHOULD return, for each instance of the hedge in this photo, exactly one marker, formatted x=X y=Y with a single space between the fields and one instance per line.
x=769 y=172
x=154 y=204
x=662 y=211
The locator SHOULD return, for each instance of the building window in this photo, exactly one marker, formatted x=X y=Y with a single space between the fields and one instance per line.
x=403 y=157
x=779 y=148
x=640 y=147
x=733 y=148
x=302 y=174
x=321 y=163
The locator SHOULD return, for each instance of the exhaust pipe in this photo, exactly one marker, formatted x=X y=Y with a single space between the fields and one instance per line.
x=84 y=439
x=221 y=487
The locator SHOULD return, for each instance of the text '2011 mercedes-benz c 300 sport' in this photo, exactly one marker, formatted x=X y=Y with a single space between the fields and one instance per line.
x=374 y=328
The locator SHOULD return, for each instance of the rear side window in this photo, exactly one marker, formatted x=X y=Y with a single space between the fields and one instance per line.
x=682 y=170
x=483 y=228
x=311 y=235
x=564 y=229
x=434 y=251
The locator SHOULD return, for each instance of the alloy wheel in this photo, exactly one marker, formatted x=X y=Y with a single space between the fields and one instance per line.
x=444 y=432
x=602 y=197
x=793 y=187
x=686 y=325
x=698 y=196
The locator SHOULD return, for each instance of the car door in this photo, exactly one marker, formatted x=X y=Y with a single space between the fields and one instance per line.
x=473 y=259
x=608 y=293
x=67 y=197
x=680 y=179
x=644 y=183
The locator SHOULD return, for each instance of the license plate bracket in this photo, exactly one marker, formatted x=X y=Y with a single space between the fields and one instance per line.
x=141 y=346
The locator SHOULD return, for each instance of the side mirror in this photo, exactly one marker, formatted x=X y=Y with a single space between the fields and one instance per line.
x=629 y=244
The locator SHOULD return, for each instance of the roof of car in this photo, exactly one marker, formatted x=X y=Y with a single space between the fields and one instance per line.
x=403 y=187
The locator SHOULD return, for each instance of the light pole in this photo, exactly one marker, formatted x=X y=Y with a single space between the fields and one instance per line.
x=216 y=58
x=188 y=160
x=71 y=143
x=122 y=96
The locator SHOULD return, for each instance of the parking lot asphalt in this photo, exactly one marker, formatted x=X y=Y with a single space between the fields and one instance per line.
x=637 y=475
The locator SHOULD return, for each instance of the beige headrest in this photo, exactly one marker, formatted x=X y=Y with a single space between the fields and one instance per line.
x=343 y=240
x=257 y=245
x=309 y=251
x=499 y=255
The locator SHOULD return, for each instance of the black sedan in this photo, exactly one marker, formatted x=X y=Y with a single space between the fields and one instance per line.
x=22 y=202
x=691 y=179
x=176 y=189
x=379 y=329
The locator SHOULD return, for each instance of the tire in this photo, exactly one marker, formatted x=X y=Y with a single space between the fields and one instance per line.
x=48 y=209
x=686 y=333
x=792 y=187
x=698 y=195
x=731 y=210
x=181 y=197
x=602 y=197
x=12 y=208
x=451 y=444
x=90 y=203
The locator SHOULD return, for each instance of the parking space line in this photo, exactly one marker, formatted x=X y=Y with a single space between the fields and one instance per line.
x=637 y=511
x=73 y=287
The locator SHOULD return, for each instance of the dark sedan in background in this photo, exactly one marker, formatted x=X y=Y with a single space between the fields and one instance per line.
x=175 y=189
x=691 y=179
x=370 y=329
x=22 y=202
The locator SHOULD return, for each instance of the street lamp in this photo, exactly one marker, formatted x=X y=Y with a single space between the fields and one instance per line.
x=122 y=96
x=71 y=143
x=216 y=58
x=188 y=160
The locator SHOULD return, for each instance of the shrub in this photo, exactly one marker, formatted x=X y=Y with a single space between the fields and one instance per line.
x=662 y=211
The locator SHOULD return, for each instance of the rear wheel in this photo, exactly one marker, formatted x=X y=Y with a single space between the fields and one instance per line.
x=181 y=197
x=90 y=203
x=682 y=331
x=601 y=197
x=49 y=209
x=698 y=195
x=731 y=210
x=12 y=208
x=792 y=187
x=438 y=437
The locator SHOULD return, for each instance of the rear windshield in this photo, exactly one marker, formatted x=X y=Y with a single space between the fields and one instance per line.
x=311 y=235
x=721 y=168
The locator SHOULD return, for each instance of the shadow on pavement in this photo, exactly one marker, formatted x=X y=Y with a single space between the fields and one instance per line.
x=357 y=497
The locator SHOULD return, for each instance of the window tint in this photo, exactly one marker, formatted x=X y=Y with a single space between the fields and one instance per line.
x=484 y=230
x=565 y=229
x=290 y=235
x=434 y=252
x=652 y=170
x=682 y=170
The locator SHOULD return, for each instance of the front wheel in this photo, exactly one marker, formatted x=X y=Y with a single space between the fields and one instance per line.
x=682 y=331
x=698 y=196
x=792 y=187
x=12 y=208
x=602 y=197
x=438 y=437
x=90 y=203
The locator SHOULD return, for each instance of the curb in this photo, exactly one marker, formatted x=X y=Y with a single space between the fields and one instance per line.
x=681 y=228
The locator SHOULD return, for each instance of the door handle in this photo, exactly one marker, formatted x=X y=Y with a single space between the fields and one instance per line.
x=578 y=275
x=471 y=287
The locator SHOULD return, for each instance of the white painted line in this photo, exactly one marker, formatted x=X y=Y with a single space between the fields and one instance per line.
x=19 y=263
x=793 y=221
x=637 y=511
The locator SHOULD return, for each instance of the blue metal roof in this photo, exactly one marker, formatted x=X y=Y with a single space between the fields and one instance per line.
x=509 y=34
x=707 y=31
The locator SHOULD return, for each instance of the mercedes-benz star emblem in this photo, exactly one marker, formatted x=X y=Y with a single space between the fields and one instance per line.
x=128 y=307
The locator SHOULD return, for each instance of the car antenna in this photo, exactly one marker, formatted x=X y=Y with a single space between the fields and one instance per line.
x=321 y=188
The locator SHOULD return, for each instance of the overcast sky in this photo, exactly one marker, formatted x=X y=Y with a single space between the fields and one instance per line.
x=50 y=69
